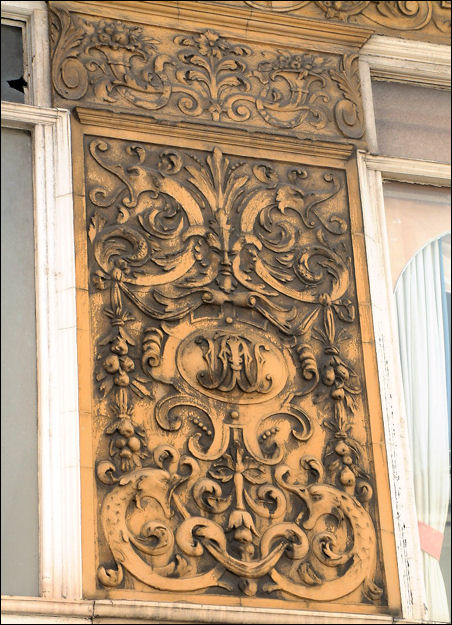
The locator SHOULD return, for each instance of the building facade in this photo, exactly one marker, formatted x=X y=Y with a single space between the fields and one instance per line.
x=235 y=420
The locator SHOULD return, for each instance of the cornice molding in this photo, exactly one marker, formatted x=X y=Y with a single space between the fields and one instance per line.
x=288 y=28
x=105 y=119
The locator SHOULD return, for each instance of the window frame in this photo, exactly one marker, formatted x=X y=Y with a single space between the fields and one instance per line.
x=31 y=16
x=422 y=64
x=56 y=323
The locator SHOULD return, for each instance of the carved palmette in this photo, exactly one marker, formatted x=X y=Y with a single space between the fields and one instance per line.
x=234 y=459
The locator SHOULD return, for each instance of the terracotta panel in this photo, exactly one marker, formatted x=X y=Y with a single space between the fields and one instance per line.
x=204 y=75
x=232 y=438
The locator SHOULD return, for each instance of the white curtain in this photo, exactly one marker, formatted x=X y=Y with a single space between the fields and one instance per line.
x=422 y=350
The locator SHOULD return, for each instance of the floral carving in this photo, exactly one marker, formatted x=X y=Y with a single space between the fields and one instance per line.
x=238 y=278
x=295 y=87
x=114 y=59
x=203 y=75
x=214 y=74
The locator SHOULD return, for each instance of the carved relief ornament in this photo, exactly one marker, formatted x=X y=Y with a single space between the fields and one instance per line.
x=232 y=458
x=426 y=20
x=226 y=427
x=203 y=76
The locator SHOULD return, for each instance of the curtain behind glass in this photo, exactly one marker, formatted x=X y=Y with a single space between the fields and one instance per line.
x=422 y=352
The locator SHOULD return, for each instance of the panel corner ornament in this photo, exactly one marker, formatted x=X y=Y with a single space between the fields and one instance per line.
x=231 y=462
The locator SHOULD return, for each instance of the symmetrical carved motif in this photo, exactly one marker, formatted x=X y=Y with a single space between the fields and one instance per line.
x=233 y=458
x=203 y=76
x=393 y=17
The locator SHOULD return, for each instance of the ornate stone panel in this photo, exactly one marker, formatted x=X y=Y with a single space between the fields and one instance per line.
x=232 y=443
x=425 y=20
x=229 y=421
x=204 y=76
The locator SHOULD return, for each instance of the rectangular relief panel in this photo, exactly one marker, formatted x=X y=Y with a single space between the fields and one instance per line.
x=231 y=432
x=232 y=438
x=170 y=64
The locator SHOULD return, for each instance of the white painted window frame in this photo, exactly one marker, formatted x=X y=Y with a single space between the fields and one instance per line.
x=32 y=17
x=386 y=58
x=56 y=324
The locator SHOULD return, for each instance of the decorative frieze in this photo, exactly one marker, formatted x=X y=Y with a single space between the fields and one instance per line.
x=203 y=76
x=425 y=20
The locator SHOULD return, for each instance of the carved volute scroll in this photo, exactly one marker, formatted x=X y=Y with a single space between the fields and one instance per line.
x=231 y=434
x=420 y=19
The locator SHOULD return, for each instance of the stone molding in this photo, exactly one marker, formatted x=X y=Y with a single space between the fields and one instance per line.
x=119 y=611
x=424 y=20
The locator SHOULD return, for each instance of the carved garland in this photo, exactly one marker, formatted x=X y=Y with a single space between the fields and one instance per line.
x=203 y=76
x=239 y=276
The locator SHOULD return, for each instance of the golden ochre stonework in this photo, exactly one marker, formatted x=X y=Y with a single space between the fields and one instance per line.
x=232 y=452
x=426 y=20
x=232 y=445
x=227 y=372
x=203 y=76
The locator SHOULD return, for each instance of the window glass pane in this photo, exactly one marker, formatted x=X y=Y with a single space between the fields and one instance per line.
x=421 y=306
x=445 y=561
x=412 y=121
x=415 y=214
x=19 y=433
x=12 y=64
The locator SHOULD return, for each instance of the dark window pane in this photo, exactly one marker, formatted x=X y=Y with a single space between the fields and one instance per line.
x=12 y=64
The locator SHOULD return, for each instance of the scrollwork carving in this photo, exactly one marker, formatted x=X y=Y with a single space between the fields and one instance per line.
x=202 y=76
x=230 y=461
x=430 y=18
x=113 y=59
